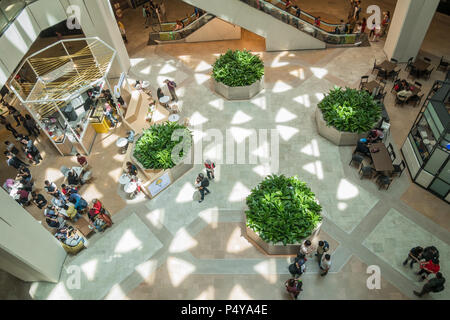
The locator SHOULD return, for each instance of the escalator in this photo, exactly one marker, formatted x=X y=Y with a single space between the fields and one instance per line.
x=165 y=33
x=253 y=16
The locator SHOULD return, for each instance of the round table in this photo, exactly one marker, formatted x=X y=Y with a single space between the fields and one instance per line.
x=174 y=117
x=145 y=84
x=130 y=187
x=164 y=100
x=124 y=179
x=121 y=142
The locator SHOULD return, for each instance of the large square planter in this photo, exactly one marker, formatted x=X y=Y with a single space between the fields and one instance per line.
x=239 y=93
x=340 y=138
x=278 y=248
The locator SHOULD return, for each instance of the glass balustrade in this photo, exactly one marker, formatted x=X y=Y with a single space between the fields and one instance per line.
x=9 y=10
x=305 y=23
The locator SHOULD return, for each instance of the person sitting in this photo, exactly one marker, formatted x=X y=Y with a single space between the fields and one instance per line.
x=10 y=147
x=59 y=201
x=375 y=135
x=107 y=110
x=38 y=199
x=69 y=237
x=428 y=267
x=71 y=212
x=78 y=201
x=23 y=197
x=401 y=85
x=73 y=179
x=51 y=188
x=24 y=174
x=53 y=218
x=67 y=190
x=362 y=146
x=27 y=184
x=131 y=169
x=159 y=93
x=404 y=95
x=98 y=211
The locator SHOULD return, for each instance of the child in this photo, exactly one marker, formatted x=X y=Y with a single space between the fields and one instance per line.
x=209 y=165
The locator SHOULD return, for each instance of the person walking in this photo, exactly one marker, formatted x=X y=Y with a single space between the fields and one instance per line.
x=31 y=126
x=434 y=285
x=172 y=85
x=209 y=165
x=31 y=151
x=385 y=22
x=82 y=161
x=325 y=264
x=202 y=184
x=293 y=287
x=321 y=249
x=146 y=13
x=297 y=268
x=415 y=254
x=8 y=126
x=122 y=31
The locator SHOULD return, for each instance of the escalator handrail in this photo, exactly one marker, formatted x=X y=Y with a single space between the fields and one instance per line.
x=189 y=26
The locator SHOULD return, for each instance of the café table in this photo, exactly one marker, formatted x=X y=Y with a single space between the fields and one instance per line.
x=174 y=117
x=387 y=66
x=124 y=179
x=121 y=142
x=370 y=86
x=130 y=188
x=420 y=65
x=381 y=159
x=164 y=100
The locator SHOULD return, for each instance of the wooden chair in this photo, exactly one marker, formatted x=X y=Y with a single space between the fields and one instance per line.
x=394 y=60
x=427 y=60
x=427 y=73
x=380 y=97
x=356 y=158
x=383 y=181
x=364 y=80
x=382 y=85
x=418 y=84
x=375 y=67
x=416 y=99
x=366 y=171
x=391 y=151
x=409 y=63
x=442 y=64
x=398 y=169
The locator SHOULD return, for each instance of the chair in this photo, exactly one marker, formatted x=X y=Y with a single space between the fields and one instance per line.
x=366 y=172
x=413 y=72
x=394 y=74
x=409 y=63
x=391 y=151
x=357 y=159
x=380 y=97
x=64 y=170
x=442 y=64
x=382 y=74
x=418 y=84
x=416 y=99
x=398 y=169
x=427 y=60
x=400 y=100
x=364 y=80
x=382 y=85
x=375 y=67
x=383 y=181
x=394 y=60
x=427 y=73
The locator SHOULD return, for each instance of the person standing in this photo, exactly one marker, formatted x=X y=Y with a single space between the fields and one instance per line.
x=122 y=31
x=385 y=22
x=434 y=285
x=363 y=25
x=322 y=248
x=325 y=264
x=15 y=113
x=8 y=126
x=415 y=254
x=293 y=287
x=428 y=267
x=202 y=184
x=14 y=162
x=31 y=126
x=209 y=165
x=11 y=147
x=297 y=268
x=38 y=199
x=306 y=248
x=172 y=85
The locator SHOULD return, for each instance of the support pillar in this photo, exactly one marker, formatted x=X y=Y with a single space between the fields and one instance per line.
x=27 y=250
x=408 y=28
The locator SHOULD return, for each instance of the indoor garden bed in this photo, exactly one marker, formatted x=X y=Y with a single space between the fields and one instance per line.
x=282 y=212
x=238 y=75
x=346 y=115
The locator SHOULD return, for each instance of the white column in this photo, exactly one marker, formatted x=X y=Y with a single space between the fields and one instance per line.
x=97 y=20
x=408 y=28
x=27 y=250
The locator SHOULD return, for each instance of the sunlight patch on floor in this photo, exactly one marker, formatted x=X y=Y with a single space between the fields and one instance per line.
x=346 y=190
x=178 y=270
x=182 y=241
x=268 y=270
x=241 y=117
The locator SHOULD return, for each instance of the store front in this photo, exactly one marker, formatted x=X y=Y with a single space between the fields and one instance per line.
x=427 y=148
x=64 y=93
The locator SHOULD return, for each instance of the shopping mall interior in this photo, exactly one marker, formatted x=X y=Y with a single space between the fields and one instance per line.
x=83 y=77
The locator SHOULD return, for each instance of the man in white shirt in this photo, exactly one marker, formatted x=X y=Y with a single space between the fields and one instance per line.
x=325 y=264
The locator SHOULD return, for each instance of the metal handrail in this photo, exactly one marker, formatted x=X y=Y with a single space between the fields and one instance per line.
x=10 y=20
x=305 y=26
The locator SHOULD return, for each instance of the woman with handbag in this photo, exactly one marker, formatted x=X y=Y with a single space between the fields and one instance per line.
x=100 y=212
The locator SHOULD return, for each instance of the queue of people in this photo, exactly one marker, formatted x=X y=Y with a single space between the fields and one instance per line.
x=298 y=267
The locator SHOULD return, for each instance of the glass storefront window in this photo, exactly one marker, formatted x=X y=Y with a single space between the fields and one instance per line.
x=445 y=173
x=440 y=187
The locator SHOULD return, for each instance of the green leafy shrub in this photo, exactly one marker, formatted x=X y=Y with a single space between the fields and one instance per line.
x=283 y=210
x=238 y=68
x=154 y=147
x=350 y=110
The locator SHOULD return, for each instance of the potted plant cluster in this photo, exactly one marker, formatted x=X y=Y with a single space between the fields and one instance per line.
x=346 y=115
x=238 y=74
x=154 y=147
x=282 y=211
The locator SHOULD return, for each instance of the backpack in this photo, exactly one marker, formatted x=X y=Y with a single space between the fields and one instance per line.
x=205 y=182
x=439 y=289
x=293 y=269
x=326 y=246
